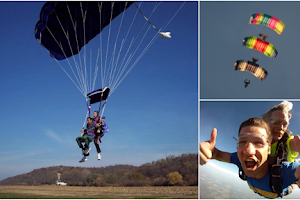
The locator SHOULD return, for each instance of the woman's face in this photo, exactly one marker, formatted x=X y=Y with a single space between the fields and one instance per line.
x=95 y=114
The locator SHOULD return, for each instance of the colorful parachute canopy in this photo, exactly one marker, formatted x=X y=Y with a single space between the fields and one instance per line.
x=263 y=46
x=256 y=70
x=98 y=95
x=59 y=18
x=267 y=20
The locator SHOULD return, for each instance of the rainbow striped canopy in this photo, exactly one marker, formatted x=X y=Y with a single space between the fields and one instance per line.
x=267 y=20
x=255 y=69
x=263 y=46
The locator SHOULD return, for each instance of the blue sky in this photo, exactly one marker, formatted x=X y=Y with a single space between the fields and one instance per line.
x=223 y=25
x=152 y=114
x=227 y=116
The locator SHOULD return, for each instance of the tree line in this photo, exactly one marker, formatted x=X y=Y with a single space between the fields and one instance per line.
x=181 y=170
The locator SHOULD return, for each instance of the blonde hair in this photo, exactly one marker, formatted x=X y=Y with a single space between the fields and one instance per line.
x=281 y=107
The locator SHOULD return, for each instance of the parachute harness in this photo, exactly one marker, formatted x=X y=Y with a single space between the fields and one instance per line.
x=95 y=97
x=275 y=178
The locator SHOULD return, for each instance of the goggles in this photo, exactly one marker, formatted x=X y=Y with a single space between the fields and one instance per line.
x=279 y=122
x=257 y=141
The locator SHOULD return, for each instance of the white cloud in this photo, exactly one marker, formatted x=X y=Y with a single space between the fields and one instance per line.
x=20 y=155
x=54 y=136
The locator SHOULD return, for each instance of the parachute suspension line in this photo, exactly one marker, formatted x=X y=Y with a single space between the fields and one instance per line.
x=111 y=65
x=79 y=72
x=91 y=84
x=259 y=28
x=136 y=61
x=107 y=76
x=100 y=48
x=83 y=13
x=174 y=15
x=96 y=72
x=88 y=112
x=100 y=107
x=108 y=39
x=103 y=108
x=81 y=90
x=120 y=50
x=122 y=69
x=118 y=81
x=145 y=50
x=263 y=29
x=97 y=59
x=67 y=36
x=120 y=73
x=100 y=102
x=146 y=18
x=137 y=10
x=114 y=63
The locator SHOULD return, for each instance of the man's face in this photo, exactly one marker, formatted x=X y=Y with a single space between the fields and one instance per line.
x=253 y=150
x=89 y=121
x=278 y=123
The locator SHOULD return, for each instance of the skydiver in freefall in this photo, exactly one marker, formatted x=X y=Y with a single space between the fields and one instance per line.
x=247 y=82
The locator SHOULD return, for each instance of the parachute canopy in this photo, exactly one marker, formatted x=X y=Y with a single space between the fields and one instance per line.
x=98 y=95
x=263 y=46
x=248 y=66
x=65 y=27
x=267 y=20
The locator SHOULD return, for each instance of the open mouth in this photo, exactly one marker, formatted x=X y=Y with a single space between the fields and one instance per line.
x=280 y=133
x=250 y=164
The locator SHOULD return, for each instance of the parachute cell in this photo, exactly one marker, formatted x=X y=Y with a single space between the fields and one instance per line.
x=265 y=47
x=65 y=27
x=256 y=70
x=267 y=20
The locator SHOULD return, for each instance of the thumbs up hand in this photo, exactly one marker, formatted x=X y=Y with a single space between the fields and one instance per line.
x=206 y=148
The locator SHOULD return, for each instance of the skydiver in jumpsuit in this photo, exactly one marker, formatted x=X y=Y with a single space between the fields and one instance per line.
x=264 y=36
x=247 y=82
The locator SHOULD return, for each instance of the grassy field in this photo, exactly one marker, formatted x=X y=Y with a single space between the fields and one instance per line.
x=76 y=192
